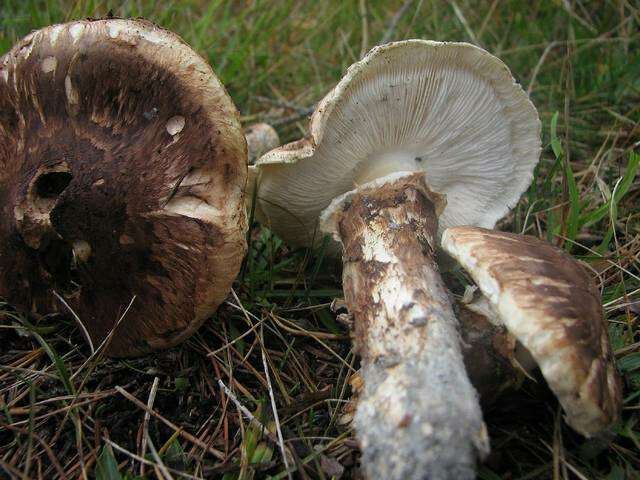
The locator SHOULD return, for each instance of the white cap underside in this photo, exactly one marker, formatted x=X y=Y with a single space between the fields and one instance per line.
x=449 y=109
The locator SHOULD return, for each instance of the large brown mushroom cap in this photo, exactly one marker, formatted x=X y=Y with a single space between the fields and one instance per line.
x=551 y=304
x=122 y=169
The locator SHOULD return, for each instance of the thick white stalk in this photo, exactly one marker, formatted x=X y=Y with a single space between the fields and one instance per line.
x=419 y=416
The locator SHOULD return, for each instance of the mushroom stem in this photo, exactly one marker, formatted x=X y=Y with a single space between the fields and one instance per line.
x=419 y=416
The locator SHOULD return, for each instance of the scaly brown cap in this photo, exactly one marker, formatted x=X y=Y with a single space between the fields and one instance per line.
x=122 y=169
x=551 y=304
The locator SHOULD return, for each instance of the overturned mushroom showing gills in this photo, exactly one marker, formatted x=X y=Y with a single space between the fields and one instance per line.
x=551 y=304
x=122 y=169
x=418 y=136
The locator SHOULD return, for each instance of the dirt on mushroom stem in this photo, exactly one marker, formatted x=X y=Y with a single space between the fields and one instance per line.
x=419 y=416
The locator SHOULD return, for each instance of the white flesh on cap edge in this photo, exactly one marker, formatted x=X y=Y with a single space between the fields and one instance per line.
x=419 y=416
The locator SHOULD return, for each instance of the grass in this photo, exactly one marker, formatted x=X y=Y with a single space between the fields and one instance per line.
x=64 y=414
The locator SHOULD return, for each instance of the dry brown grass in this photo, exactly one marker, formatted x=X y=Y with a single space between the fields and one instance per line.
x=67 y=415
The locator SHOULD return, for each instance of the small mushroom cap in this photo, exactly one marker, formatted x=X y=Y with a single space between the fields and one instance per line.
x=261 y=137
x=451 y=110
x=551 y=304
x=122 y=170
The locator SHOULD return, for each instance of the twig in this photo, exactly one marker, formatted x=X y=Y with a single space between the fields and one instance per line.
x=292 y=118
x=536 y=69
x=59 y=410
x=219 y=455
x=275 y=411
x=393 y=24
x=10 y=469
x=464 y=22
x=75 y=316
x=161 y=467
x=598 y=254
x=103 y=345
x=240 y=337
x=34 y=373
x=45 y=446
x=97 y=354
x=487 y=17
x=573 y=469
x=247 y=413
x=617 y=300
x=364 y=44
x=244 y=409
x=145 y=421
x=567 y=7
x=283 y=104
x=145 y=461
x=282 y=323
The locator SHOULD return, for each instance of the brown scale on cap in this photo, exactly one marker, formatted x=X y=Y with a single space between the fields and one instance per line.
x=122 y=166
x=551 y=304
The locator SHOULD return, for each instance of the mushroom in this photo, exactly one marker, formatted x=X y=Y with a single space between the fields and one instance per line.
x=261 y=137
x=417 y=137
x=551 y=305
x=122 y=169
